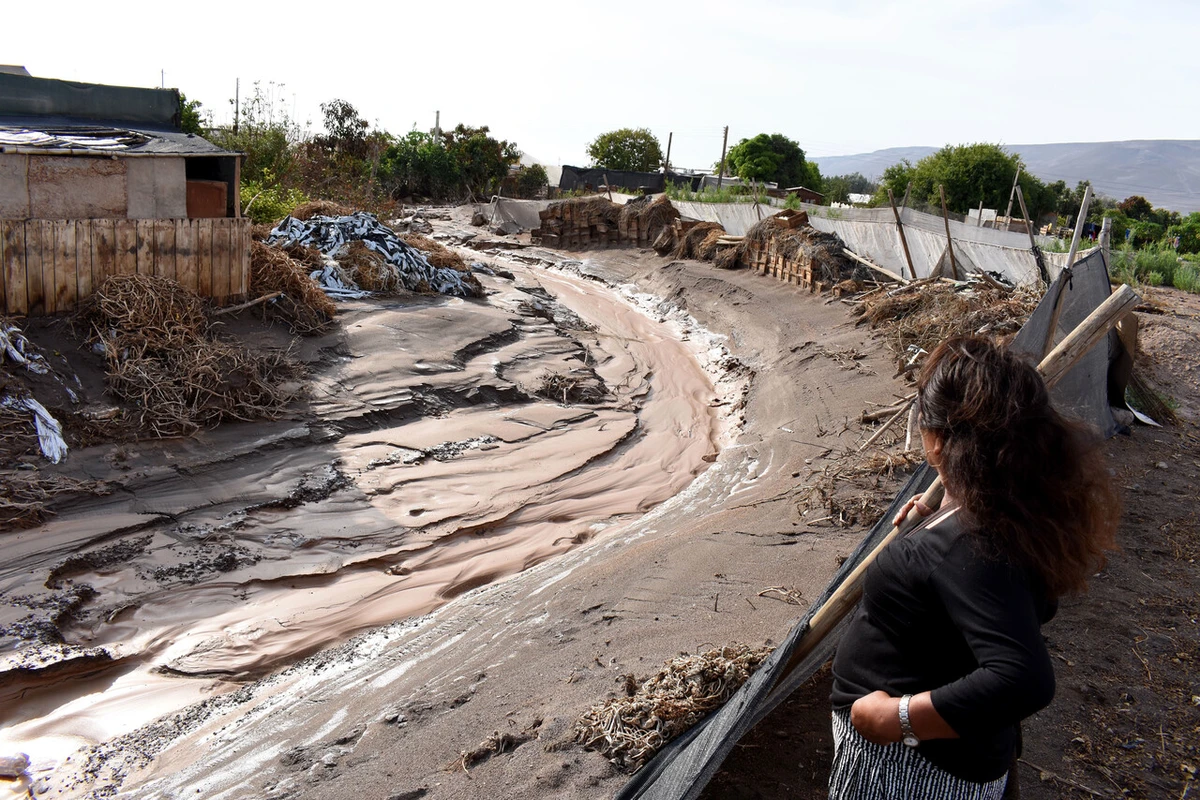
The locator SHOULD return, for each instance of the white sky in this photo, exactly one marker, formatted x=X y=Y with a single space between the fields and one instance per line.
x=848 y=79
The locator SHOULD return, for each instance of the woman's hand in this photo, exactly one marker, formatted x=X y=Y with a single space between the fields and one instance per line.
x=916 y=503
x=877 y=717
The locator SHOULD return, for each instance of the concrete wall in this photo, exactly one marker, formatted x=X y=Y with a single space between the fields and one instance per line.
x=157 y=188
x=81 y=187
x=14 y=186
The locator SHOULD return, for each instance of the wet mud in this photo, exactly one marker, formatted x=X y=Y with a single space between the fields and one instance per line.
x=444 y=445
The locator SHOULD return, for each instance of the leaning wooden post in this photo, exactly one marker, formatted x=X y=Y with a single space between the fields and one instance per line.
x=903 y=241
x=1106 y=240
x=949 y=241
x=1056 y=364
x=1043 y=273
x=1079 y=223
x=1058 y=301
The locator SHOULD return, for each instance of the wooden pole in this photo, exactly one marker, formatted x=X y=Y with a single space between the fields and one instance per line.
x=608 y=186
x=1085 y=336
x=1079 y=223
x=876 y=267
x=1058 y=301
x=721 y=171
x=667 y=163
x=1037 y=251
x=1106 y=239
x=907 y=189
x=1015 y=189
x=900 y=227
x=979 y=219
x=949 y=241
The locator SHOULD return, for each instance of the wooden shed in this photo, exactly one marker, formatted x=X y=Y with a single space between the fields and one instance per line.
x=99 y=180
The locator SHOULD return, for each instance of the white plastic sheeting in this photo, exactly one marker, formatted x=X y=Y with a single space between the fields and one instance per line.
x=872 y=233
x=49 y=431
x=735 y=218
x=16 y=348
x=331 y=234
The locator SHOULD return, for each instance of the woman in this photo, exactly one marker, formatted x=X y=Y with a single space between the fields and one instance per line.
x=944 y=656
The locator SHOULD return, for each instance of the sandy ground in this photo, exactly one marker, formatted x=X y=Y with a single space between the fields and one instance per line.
x=345 y=602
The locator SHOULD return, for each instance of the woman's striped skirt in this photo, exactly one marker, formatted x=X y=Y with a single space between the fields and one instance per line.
x=865 y=771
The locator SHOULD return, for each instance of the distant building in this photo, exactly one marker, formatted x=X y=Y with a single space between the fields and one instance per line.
x=805 y=195
x=858 y=199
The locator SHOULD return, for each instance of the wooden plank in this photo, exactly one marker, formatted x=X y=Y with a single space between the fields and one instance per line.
x=66 y=265
x=220 y=259
x=185 y=254
x=145 y=247
x=104 y=255
x=125 y=247
x=164 y=248
x=12 y=263
x=3 y=268
x=243 y=268
x=83 y=259
x=32 y=269
x=203 y=246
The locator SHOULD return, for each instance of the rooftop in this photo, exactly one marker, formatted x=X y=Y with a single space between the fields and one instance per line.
x=67 y=136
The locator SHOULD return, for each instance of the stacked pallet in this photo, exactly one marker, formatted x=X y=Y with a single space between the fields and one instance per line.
x=579 y=224
x=788 y=248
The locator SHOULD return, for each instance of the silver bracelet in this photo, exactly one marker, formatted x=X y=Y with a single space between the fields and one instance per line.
x=907 y=734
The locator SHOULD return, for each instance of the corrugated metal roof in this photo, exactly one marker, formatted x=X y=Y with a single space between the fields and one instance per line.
x=64 y=136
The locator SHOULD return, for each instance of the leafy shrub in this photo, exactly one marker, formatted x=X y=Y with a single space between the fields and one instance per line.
x=269 y=203
x=1187 y=278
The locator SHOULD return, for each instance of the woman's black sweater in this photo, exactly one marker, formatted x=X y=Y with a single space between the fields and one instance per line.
x=938 y=616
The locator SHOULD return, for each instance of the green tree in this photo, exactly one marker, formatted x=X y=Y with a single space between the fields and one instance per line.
x=1188 y=231
x=626 y=149
x=531 y=180
x=482 y=160
x=1137 y=207
x=417 y=164
x=969 y=173
x=773 y=158
x=190 y=120
x=838 y=188
x=265 y=133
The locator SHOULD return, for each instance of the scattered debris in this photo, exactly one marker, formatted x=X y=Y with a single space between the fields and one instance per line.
x=13 y=767
x=496 y=744
x=330 y=235
x=436 y=253
x=306 y=309
x=629 y=730
x=694 y=237
x=570 y=388
x=793 y=596
x=320 y=208
x=928 y=311
x=162 y=360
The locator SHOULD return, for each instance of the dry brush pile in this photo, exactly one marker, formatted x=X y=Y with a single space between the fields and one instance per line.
x=163 y=362
x=302 y=304
x=925 y=312
x=630 y=730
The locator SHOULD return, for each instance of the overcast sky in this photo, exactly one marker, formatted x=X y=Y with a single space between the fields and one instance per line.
x=847 y=76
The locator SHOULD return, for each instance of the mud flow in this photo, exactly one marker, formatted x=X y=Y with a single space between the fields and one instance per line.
x=445 y=445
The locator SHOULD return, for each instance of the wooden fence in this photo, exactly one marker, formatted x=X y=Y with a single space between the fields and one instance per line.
x=48 y=266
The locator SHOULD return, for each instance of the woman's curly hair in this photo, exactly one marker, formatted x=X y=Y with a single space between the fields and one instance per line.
x=1032 y=485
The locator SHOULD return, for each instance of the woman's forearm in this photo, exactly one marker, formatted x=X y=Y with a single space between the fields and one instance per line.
x=927 y=723
x=877 y=717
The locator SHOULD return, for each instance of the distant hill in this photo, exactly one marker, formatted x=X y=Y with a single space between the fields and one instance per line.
x=1166 y=172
